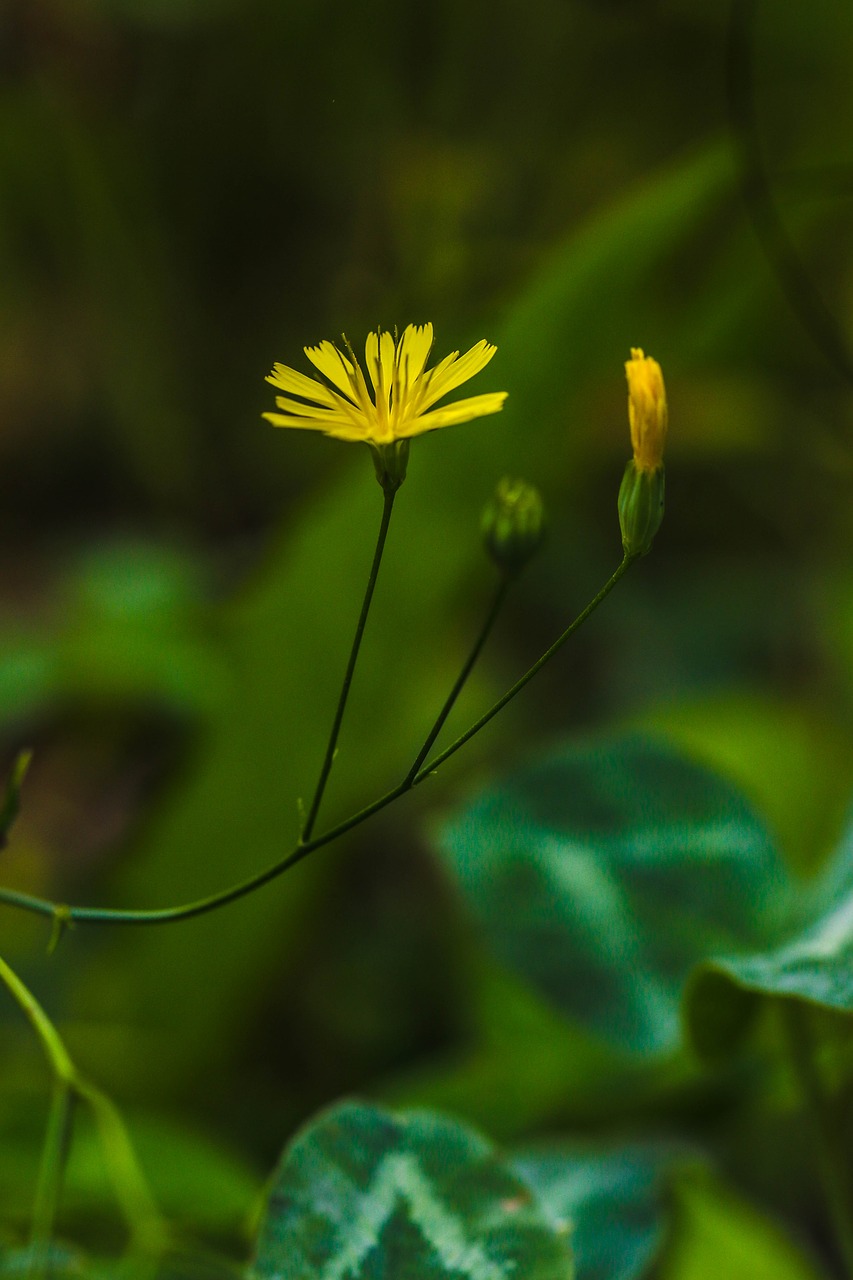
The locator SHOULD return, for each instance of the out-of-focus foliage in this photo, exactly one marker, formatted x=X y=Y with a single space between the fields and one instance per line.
x=364 y=1192
x=812 y=963
x=605 y=872
x=190 y=191
x=614 y=1200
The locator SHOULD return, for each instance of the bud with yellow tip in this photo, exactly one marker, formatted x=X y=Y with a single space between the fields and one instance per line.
x=641 y=495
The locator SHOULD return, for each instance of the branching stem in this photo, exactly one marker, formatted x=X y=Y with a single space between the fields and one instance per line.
x=147 y=1230
x=461 y=679
x=67 y=915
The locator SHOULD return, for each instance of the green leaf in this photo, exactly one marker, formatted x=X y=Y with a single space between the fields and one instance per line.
x=605 y=872
x=363 y=1193
x=814 y=962
x=614 y=1201
x=132 y=628
x=716 y=1234
x=65 y=1263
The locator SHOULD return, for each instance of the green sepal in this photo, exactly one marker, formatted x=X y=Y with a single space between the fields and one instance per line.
x=641 y=503
x=390 y=461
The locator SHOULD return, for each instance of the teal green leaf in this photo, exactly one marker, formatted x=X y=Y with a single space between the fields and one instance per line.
x=364 y=1194
x=63 y=1262
x=812 y=962
x=69 y=1263
x=603 y=873
x=615 y=1201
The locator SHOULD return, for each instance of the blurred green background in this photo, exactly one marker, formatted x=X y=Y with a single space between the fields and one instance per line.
x=193 y=189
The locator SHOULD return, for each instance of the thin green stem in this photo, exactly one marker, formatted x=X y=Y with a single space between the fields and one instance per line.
x=168 y=915
x=832 y=1155
x=144 y=1223
x=51 y=1173
x=331 y=747
x=461 y=679
x=46 y=1033
x=148 y=1231
x=528 y=675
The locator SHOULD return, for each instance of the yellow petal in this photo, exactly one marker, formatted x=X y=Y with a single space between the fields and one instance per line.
x=412 y=353
x=340 y=431
x=647 y=410
x=315 y=411
x=379 y=358
x=461 y=411
x=446 y=377
x=334 y=366
x=289 y=420
x=299 y=384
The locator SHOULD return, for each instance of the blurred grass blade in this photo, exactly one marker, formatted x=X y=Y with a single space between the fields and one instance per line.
x=11 y=804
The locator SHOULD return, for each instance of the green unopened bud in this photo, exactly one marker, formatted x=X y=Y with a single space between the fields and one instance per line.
x=513 y=524
x=640 y=507
x=390 y=462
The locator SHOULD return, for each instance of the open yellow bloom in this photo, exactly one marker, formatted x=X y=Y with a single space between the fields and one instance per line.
x=400 y=404
x=647 y=411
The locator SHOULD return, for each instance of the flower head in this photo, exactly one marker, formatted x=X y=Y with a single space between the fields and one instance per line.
x=647 y=411
x=398 y=402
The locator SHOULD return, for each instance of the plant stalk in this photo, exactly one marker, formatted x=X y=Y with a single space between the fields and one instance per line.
x=331 y=746
x=66 y=915
x=461 y=679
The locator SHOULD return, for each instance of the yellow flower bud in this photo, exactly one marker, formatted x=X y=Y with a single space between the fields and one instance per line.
x=641 y=495
x=646 y=410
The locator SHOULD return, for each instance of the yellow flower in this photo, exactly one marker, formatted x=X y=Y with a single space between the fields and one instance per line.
x=646 y=410
x=400 y=404
x=641 y=494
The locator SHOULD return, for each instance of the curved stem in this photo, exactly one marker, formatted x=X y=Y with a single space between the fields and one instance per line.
x=833 y=1157
x=49 y=1039
x=328 y=759
x=528 y=675
x=167 y=915
x=146 y=1228
x=459 y=684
